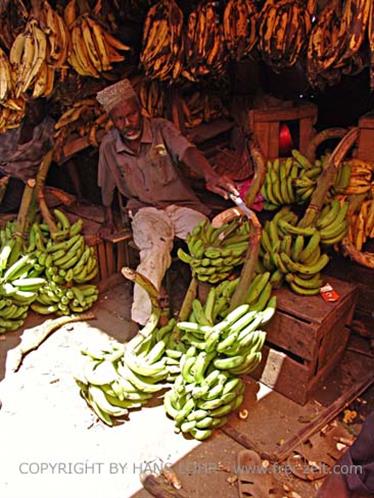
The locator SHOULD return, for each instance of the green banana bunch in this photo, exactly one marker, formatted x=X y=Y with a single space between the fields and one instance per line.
x=214 y=252
x=332 y=222
x=342 y=179
x=55 y=298
x=290 y=180
x=293 y=254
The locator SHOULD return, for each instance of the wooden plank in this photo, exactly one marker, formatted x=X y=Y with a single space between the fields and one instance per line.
x=312 y=309
x=284 y=113
x=109 y=248
x=102 y=261
x=323 y=373
x=207 y=131
x=121 y=255
x=305 y=133
x=334 y=340
x=280 y=372
x=261 y=130
x=300 y=338
x=273 y=140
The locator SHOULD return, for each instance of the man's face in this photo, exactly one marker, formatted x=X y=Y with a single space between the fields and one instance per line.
x=127 y=119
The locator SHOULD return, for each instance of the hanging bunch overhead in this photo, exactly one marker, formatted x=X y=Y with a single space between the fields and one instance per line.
x=239 y=26
x=6 y=81
x=162 y=55
x=283 y=31
x=336 y=39
x=11 y=114
x=205 y=47
x=93 y=49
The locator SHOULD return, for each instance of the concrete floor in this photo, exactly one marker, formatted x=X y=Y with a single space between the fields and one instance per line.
x=52 y=445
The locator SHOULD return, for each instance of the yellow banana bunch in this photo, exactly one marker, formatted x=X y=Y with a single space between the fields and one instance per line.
x=205 y=48
x=12 y=113
x=361 y=226
x=336 y=39
x=151 y=97
x=283 y=29
x=362 y=177
x=239 y=27
x=93 y=49
x=58 y=36
x=84 y=118
x=162 y=55
x=6 y=80
x=198 y=108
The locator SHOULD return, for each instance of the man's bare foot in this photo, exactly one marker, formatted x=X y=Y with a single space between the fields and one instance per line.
x=333 y=486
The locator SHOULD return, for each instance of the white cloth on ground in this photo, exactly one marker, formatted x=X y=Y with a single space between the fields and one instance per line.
x=154 y=231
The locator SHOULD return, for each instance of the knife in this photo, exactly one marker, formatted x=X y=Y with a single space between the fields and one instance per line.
x=236 y=199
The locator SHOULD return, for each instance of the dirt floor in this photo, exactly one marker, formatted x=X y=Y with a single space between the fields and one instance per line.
x=53 y=446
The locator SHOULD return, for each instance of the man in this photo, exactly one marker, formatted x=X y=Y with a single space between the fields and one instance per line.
x=139 y=156
x=354 y=472
x=21 y=151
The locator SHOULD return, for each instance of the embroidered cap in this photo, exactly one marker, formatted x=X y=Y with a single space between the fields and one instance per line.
x=112 y=95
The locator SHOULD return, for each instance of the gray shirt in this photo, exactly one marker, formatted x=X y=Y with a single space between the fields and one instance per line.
x=150 y=177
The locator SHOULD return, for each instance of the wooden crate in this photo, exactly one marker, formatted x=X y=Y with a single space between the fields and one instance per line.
x=365 y=141
x=264 y=123
x=305 y=340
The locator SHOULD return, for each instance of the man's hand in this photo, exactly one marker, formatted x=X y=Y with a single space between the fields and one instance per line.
x=221 y=185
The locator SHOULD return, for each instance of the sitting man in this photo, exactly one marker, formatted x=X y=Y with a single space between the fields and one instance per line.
x=21 y=151
x=139 y=156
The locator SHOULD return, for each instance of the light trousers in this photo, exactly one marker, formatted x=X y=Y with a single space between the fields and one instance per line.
x=154 y=231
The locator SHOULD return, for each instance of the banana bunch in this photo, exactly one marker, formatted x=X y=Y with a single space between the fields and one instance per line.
x=283 y=30
x=18 y=284
x=239 y=27
x=336 y=39
x=38 y=51
x=198 y=408
x=6 y=80
x=294 y=253
x=114 y=378
x=84 y=118
x=12 y=112
x=198 y=108
x=54 y=298
x=205 y=46
x=290 y=180
x=361 y=224
x=361 y=177
x=152 y=98
x=93 y=49
x=163 y=51
x=332 y=222
x=214 y=252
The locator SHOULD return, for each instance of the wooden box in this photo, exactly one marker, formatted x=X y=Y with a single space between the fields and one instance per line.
x=305 y=340
x=366 y=138
x=265 y=123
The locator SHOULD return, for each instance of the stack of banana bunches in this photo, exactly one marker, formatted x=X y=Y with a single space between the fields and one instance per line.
x=83 y=118
x=50 y=274
x=195 y=365
x=360 y=193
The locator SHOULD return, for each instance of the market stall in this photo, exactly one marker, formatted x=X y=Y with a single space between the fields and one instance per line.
x=266 y=336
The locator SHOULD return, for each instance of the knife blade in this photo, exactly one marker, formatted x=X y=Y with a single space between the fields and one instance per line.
x=236 y=199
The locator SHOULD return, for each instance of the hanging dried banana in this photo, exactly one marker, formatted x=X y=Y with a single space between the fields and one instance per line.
x=93 y=49
x=283 y=30
x=205 y=47
x=162 y=55
x=239 y=27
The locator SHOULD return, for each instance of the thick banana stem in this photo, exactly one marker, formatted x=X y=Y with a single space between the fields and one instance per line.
x=47 y=217
x=32 y=338
x=249 y=266
x=260 y=171
x=186 y=308
x=22 y=220
x=320 y=138
x=145 y=283
x=327 y=177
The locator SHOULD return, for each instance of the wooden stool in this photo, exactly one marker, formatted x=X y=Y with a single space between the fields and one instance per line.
x=113 y=253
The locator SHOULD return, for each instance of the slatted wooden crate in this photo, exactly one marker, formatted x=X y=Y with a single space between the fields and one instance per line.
x=265 y=124
x=305 y=340
x=365 y=141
